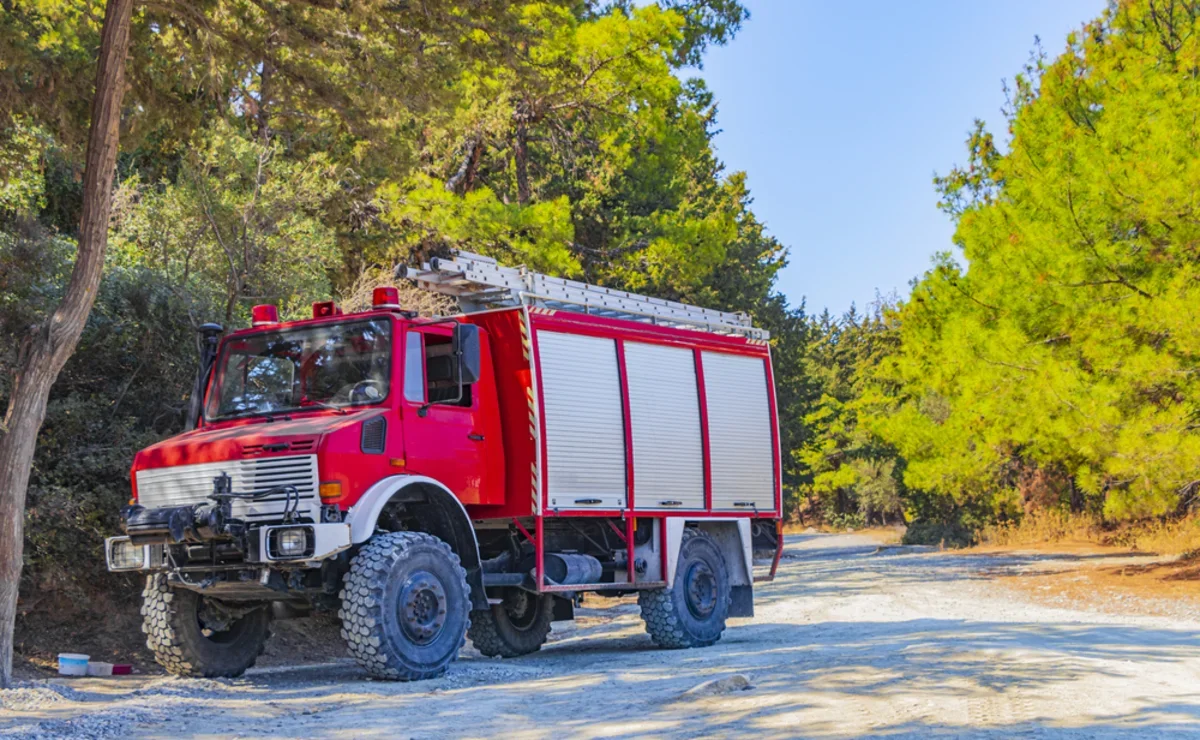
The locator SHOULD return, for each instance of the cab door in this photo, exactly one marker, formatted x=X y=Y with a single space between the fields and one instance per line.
x=451 y=438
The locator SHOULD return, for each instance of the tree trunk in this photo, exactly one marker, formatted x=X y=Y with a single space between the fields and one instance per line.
x=52 y=342
x=521 y=159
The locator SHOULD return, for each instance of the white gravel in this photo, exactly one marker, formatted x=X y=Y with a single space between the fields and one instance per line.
x=850 y=641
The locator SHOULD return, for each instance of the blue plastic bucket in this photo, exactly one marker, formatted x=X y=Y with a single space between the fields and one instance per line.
x=72 y=664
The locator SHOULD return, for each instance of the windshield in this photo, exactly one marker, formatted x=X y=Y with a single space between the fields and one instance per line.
x=314 y=366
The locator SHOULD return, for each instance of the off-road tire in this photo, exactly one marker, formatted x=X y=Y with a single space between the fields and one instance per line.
x=669 y=619
x=510 y=629
x=173 y=633
x=371 y=622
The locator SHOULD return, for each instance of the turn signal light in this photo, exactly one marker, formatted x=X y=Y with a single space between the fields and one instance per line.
x=264 y=314
x=385 y=297
x=321 y=309
x=331 y=490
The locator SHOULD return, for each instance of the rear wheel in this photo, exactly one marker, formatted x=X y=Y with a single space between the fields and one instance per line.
x=405 y=606
x=692 y=612
x=194 y=636
x=518 y=626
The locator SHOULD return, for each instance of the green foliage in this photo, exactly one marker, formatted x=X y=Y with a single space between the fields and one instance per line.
x=850 y=472
x=242 y=223
x=124 y=389
x=21 y=179
x=585 y=155
x=537 y=234
x=1059 y=369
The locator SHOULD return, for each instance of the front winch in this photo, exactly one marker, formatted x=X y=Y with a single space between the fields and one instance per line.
x=202 y=522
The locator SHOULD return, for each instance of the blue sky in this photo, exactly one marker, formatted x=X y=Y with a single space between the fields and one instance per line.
x=840 y=113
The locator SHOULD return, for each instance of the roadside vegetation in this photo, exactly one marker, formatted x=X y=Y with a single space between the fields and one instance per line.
x=1167 y=536
x=1048 y=364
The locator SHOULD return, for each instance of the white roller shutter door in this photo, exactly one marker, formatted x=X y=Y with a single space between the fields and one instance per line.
x=664 y=410
x=585 y=430
x=739 y=427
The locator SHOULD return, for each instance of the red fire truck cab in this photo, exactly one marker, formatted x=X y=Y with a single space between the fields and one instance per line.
x=433 y=479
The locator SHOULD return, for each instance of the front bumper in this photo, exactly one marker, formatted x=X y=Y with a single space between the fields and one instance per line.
x=261 y=545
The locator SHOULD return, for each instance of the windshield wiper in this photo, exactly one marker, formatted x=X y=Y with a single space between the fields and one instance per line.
x=267 y=416
x=321 y=404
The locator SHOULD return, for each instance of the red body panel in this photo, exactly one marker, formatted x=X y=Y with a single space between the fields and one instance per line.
x=512 y=382
x=459 y=446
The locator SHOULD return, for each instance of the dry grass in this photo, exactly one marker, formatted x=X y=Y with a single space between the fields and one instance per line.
x=1043 y=528
x=412 y=298
x=1168 y=538
x=1173 y=537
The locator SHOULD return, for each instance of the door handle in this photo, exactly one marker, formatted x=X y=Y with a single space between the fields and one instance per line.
x=475 y=437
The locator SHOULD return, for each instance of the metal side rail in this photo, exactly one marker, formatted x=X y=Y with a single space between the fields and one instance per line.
x=480 y=283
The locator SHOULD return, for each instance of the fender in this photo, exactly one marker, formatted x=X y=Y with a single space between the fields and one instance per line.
x=732 y=536
x=439 y=513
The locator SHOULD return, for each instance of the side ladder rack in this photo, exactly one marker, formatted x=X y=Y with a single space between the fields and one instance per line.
x=480 y=283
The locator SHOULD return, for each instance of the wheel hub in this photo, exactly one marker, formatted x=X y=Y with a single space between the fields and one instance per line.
x=700 y=590
x=522 y=610
x=422 y=607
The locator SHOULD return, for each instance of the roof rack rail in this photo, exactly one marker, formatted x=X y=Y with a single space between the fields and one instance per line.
x=480 y=283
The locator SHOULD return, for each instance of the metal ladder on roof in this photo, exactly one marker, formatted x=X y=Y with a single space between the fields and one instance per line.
x=480 y=283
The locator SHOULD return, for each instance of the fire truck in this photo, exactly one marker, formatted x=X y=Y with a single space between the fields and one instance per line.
x=433 y=479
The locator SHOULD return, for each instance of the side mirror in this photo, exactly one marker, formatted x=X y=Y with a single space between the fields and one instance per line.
x=210 y=336
x=466 y=352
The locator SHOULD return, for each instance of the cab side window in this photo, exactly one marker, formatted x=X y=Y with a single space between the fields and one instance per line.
x=429 y=371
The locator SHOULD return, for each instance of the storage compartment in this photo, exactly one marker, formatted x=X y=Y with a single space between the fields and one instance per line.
x=739 y=427
x=664 y=411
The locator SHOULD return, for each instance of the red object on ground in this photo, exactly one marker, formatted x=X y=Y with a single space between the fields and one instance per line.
x=120 y=669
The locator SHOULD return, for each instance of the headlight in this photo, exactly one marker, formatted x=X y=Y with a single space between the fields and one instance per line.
x=124 y=555
x=289 y=543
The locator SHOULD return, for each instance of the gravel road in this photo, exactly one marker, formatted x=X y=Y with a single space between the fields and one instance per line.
x=852 y=640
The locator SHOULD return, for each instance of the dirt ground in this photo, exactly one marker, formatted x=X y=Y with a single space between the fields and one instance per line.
x=853 y=640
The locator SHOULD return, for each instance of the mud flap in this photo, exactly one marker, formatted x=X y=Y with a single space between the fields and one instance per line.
x=741 y=601
x=564 y=610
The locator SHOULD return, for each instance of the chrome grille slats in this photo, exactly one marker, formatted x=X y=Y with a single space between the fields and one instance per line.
x=183 y=485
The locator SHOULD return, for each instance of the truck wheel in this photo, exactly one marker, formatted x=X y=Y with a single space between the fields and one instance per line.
x=691 y=613
x=194 y=636
x=518 y=626
x=405 y=606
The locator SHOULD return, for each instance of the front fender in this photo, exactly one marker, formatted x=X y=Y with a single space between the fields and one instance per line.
x=437 y=511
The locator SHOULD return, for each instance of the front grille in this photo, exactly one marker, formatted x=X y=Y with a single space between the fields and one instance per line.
x=191 y=484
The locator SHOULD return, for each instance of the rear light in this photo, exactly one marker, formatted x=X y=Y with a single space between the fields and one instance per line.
x=264 y=314
x=124 y=555
x=321 y=309
x=385 y=297
x=331 y=490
